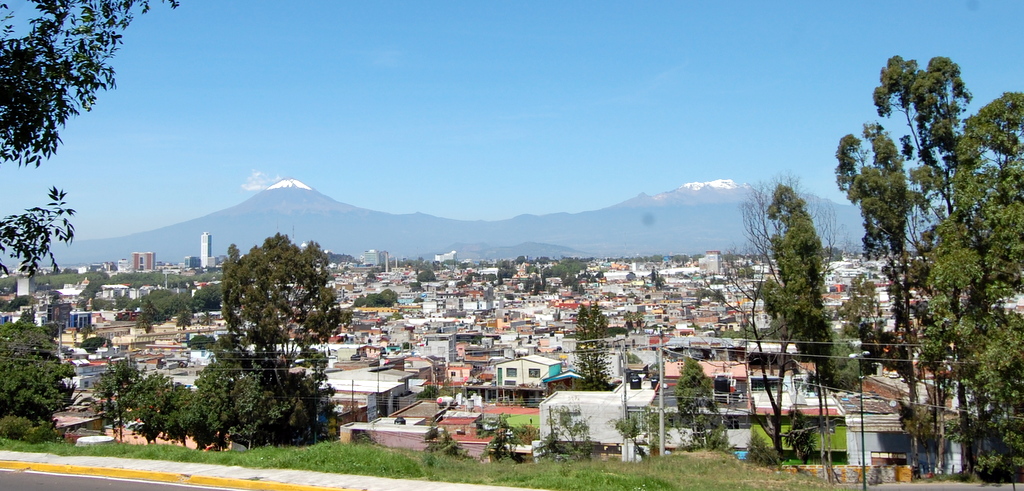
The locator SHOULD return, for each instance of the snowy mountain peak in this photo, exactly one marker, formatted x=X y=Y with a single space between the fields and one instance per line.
x=289 y=183
x=716 y=184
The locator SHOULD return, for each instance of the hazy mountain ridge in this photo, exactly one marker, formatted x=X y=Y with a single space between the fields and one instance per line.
x=692 y=218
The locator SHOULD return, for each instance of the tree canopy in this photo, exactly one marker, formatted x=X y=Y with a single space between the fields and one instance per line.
x=33 y=382
x=698 y=412
x=277 y=306
x=51 y=72
x=942 y=209
x=591 y=349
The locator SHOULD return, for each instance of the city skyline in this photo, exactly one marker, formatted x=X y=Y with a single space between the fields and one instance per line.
x=485 y=112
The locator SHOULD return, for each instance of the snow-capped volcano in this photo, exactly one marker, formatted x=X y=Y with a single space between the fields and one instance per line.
x=693 y=193
x=290 y=183
x=716 y=184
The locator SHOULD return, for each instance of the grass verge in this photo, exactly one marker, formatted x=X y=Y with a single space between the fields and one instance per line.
x=682 y=471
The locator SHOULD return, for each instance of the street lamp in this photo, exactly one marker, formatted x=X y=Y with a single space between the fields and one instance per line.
x=860 y=375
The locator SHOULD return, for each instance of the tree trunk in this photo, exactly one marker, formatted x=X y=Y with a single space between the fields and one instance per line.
x=967 y=441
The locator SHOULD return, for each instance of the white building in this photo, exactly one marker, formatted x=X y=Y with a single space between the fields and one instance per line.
x=448 y=256
x=599 y=410
x=206 y=258
x=528 y=370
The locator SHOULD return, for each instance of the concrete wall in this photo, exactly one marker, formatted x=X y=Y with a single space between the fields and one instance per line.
x=850 y=474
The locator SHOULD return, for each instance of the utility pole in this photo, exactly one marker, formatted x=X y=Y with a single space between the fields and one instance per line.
x=661 y=393
x=860 y=373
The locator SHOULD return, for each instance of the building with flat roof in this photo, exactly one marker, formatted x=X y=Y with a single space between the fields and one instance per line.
x=143 y=261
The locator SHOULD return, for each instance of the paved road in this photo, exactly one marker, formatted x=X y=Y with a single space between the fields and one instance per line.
x=942 y=486
x=34 y=481
x=222 y=476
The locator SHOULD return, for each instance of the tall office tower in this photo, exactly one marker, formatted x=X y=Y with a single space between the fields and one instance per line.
x=371 y=257
x=206 y=251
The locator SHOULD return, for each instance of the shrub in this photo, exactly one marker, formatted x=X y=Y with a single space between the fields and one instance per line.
x=995 y=467
x=760 y=452
x=93 y=343
x=14 y=427
x=42 y=434
x=441 y=442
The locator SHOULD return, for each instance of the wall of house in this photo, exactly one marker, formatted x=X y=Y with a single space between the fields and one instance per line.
x=875 y=442
x=600 y=417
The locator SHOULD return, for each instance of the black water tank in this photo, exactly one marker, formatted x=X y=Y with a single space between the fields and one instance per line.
x=635 y=383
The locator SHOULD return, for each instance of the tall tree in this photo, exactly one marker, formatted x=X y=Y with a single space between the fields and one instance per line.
x=781 y=233
x=793 y=296
x=908 y=199
x=978 y=257
x=591 y=348
x=51 y=73
x=277 y=307
x=901 y=205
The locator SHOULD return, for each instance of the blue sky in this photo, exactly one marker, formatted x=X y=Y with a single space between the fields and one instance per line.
x=487 y=110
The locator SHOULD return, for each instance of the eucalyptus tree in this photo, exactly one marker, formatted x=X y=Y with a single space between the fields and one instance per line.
x=979 y=259
x=946 y=216
x=782 y=231
x=793 y=296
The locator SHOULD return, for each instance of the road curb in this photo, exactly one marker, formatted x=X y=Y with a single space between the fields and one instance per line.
x=169 y=477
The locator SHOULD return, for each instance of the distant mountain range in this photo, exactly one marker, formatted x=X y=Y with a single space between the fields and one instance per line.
x=692 y=218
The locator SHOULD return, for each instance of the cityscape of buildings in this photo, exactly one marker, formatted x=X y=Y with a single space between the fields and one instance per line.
x=501 y=335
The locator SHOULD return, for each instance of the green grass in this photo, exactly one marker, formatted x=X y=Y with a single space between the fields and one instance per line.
x=681 y=471
x=524 y=419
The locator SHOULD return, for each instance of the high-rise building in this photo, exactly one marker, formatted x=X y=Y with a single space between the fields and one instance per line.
x=711 y=262
x=192 y=262
x=372 y=257
x=143 y=261
x=206 y=258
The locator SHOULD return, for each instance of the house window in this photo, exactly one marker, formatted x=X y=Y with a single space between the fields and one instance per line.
x=535 y=372
x=511 y=372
